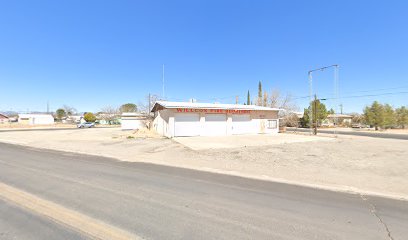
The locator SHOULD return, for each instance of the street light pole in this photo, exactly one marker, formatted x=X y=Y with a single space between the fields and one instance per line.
x=336 y=86
x=315 y=115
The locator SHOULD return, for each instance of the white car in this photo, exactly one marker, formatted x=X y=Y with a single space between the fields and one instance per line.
x=86 y=125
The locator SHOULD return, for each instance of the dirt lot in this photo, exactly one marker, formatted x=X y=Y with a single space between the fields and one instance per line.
x=359 y=164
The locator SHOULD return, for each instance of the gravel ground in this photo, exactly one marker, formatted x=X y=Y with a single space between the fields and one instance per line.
x=357 y=164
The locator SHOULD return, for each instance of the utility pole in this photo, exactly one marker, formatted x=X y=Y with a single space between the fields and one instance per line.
x=315 y=115
x=163 y=82
x=336 y=92
x=148 y=111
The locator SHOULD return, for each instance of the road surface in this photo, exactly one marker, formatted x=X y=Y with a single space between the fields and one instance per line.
x=55 y=195
x=355 y=133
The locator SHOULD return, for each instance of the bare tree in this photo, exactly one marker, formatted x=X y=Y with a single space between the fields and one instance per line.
x=274 y=98
x=265 y=99
x=148 y=103
x=109 y=114
x=288 y=106
x=69 y=111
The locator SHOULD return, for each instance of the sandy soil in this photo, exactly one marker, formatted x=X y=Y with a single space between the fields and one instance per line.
x=357 y=164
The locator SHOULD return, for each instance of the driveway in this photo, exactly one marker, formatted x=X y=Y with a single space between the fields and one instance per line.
x=240 y=141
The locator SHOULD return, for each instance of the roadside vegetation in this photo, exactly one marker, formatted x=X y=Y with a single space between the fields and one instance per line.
x=377 y=115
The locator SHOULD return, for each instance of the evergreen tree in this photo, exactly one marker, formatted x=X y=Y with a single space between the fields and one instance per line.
x=60 y=113
x=259 y=93
x=401 y=115
x=248 y=98
x=321 y=112
x=375 y=115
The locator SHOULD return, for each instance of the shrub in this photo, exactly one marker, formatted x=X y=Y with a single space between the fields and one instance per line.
x=89 y=117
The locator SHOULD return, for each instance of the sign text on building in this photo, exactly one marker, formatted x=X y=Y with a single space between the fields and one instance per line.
x=196 y=110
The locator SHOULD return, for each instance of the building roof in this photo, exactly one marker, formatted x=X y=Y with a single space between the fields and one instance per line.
x=133 y=114
x=3 y=116
x=166 y=104
x=339 y=116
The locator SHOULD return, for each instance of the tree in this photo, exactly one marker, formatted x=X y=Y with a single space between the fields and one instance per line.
x=259 y=100
x=265 y=99
x=248 y=98
x=60 y=113
x=89 y=117
x=389 y=116
x=331 y=111
x=128 y=107
x=375 y=115
x=69 y=111
x=401 y=116
x=357 y=118
x=305 y=120
x=148 y=103
x=321 y=113
x=109 y=114
x=275 y=98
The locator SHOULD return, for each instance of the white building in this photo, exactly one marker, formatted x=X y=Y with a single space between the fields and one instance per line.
x=340 y=119
x=36 y=119
x=176 y=119
x=133 y=121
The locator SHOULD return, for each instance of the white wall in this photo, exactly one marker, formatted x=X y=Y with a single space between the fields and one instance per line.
x=163 y=123
x=37 y=119
x=132 y=124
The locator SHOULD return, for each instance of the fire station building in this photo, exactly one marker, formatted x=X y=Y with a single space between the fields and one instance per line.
x=182 y=119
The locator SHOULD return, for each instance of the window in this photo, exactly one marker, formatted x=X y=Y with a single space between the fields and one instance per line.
x=272 y=124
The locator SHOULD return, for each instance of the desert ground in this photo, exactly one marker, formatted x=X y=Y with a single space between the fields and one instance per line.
x=347 y=163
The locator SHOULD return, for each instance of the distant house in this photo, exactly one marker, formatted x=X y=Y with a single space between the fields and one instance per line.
x=133 y=121
x=107 y=118
x=341 y=119
x=35 y=119
x=73 y=119
x=3 y=118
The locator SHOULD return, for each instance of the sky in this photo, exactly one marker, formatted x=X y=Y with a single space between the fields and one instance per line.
x=93 y=54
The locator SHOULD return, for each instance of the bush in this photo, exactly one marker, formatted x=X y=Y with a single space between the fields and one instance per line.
x=89 y=117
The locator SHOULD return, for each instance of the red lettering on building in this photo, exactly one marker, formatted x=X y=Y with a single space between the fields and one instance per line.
x=197 y=110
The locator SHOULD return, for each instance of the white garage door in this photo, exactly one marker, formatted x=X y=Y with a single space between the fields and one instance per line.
x=186 y=125
x=242 y=124
x=215 y=125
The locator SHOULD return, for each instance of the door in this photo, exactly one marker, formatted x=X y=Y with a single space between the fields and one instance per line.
x=242 y=124
x=186 y=124
x=215 y=125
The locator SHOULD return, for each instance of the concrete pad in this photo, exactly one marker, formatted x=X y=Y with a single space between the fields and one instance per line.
x=239 y=141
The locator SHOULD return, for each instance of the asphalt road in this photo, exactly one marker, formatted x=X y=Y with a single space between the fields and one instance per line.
x=356 y=133
x=158 y=202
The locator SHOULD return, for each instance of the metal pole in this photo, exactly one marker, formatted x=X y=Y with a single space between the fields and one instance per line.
x=163 y=82
x=315 y=115
x=310 y=102
x=336 y=93
x=150 y=99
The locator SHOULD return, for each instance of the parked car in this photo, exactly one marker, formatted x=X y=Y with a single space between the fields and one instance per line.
x=86 y=125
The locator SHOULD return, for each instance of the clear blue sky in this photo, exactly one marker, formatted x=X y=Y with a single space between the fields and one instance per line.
x=90 y=54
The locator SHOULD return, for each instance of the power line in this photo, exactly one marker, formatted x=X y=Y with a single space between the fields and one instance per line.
x=372 y=90
x=372 y=95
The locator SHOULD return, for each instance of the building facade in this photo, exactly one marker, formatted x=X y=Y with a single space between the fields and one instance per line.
x=332 y=120
x=179 y=119
x=3 y=118
x=133 y=121
x=36 y=119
